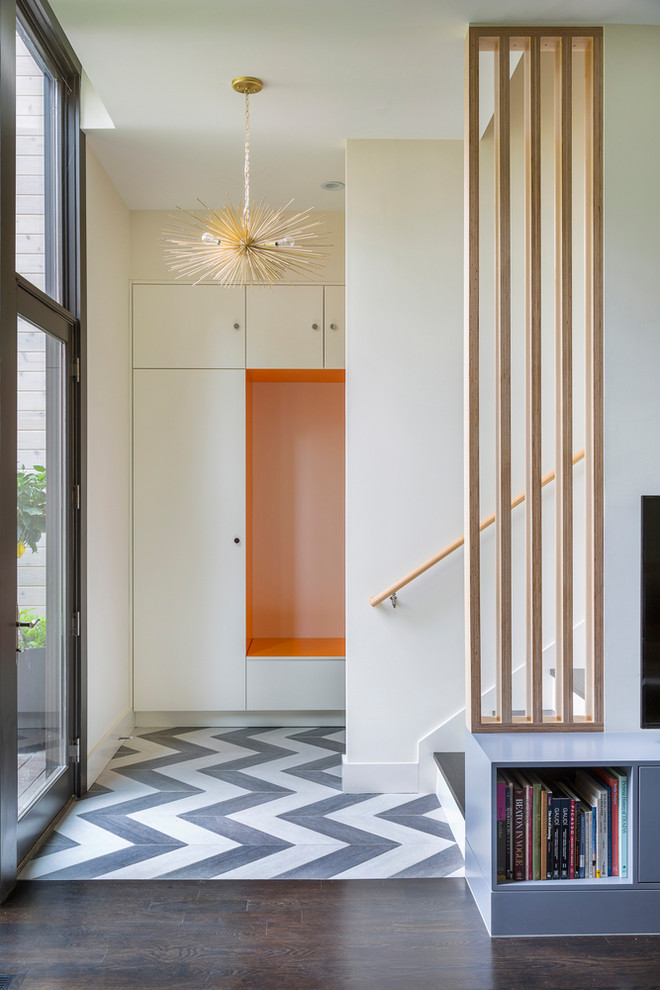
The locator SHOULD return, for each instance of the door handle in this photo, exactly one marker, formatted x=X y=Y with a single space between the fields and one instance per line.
x=27 y=625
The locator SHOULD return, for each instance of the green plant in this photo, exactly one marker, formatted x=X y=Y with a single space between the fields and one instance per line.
x=32 y=638
x=31 y=507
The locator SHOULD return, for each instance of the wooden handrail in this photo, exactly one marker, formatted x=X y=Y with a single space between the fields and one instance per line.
x=484 y=524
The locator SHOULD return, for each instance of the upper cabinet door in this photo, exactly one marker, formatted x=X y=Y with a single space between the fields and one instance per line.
x=188 y=326
x=335 y=326
x=285 y=327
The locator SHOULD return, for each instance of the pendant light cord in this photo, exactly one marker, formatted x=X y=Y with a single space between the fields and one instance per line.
x=246 y=198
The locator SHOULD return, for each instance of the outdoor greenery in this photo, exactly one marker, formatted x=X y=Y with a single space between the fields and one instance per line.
x=31 y=512
x=31 y=639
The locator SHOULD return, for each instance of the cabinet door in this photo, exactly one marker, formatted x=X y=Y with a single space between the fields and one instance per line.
x=188 y=326
x=285 y=327
x=189 y=507
x=335 y=326
x=649 y=815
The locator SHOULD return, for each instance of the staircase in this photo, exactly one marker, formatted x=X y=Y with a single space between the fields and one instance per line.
x=450 y=788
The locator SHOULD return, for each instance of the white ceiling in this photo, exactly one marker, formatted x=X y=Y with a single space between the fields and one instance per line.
x=332 y=71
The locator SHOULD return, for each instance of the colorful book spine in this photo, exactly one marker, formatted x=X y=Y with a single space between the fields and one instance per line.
x=529 y=832
x=556 y=836
x=571 y=841
x=623 y=822
x=564 y=857
x=611 y=780
x=548 y=837
x=543 y=833
x=602 y=777
x=536 y=828
x=501 y=830
x=518 y=833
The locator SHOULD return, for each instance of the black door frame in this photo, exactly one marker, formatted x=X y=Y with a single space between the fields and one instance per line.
x=42 y=26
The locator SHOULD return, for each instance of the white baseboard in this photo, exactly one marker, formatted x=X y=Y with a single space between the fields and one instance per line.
x=103 y=752
x=380 y=778
x=239 y=720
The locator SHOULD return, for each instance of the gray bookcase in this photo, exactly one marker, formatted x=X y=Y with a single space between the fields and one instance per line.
x=611 y=905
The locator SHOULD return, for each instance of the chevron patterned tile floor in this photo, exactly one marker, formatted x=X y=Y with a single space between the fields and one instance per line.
x=249 y=804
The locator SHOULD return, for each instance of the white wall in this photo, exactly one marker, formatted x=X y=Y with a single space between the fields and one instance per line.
x=632 y=345
x=108 y=467
x=404 y=274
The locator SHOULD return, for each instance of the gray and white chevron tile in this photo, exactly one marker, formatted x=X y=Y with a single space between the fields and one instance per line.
x=257 y=803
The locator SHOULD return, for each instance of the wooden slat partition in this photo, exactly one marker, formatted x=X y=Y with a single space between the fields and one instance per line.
x=554 y=48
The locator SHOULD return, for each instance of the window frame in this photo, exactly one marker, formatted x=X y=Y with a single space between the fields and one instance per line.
x=17 y=295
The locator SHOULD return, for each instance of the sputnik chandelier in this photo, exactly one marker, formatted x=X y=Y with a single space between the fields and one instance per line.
x=243 y=246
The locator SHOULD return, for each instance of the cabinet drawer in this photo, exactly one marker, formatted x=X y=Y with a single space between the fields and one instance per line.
x=285 y=327
x=188 y=326
x=295 y=685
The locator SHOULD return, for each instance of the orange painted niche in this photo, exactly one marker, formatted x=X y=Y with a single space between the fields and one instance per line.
x=295 y=513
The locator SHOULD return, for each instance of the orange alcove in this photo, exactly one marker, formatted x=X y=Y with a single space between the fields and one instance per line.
x=295 y=513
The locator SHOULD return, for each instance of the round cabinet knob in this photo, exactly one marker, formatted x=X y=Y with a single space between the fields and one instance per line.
x=315 y=326
x=237 y=539
x=237 y=326
x=333 y=326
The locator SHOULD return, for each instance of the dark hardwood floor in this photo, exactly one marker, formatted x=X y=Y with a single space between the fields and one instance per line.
x=291 y=935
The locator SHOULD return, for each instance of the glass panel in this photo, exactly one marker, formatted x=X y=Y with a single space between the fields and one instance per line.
x=38 y=174
x=41 y=554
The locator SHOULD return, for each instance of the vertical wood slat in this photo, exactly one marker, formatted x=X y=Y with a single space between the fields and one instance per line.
x=563 y=380
x=471 y=391
x=597 y=352
x=589 y=380
x=503 y=659
x=533 y=431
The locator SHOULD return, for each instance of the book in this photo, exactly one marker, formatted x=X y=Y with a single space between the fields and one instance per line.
x=611 y=783
x=556 y=834
x=580 y=845
x=544 y=823
x=589 y=846
x=501 y=830
x=518 y=825
x=564 y=856
x=525 y=782
x=592 y=791
x=623 y=821
x=548 y=837
x=537 y=786
x=506 y=777
x=577 y=820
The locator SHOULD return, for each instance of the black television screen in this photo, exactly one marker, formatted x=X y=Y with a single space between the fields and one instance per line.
x=650 y=618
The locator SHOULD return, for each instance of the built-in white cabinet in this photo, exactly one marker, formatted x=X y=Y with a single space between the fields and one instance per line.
x=188 y=326
x=189 y=539
x=335 y=326
x=285 y=327
x=194 y=649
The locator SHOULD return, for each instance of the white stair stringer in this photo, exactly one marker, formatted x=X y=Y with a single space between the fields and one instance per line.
x=449 y=735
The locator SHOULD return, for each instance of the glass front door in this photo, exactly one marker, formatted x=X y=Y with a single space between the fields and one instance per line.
x=42 y=541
